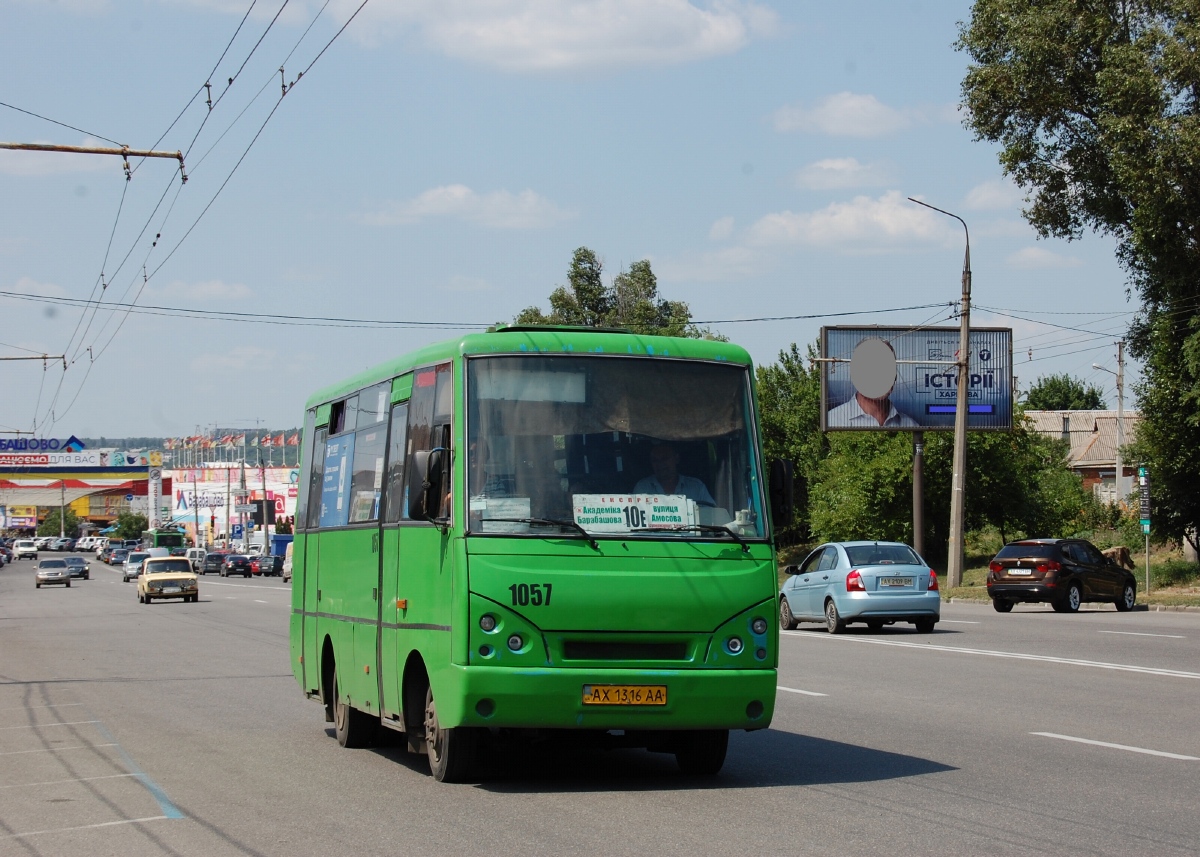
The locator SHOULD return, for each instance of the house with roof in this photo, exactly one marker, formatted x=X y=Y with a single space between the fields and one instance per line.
x=1092 y=438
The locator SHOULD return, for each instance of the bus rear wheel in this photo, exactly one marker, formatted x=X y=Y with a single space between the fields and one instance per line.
x=352 y=727
x=701 y=752
x=451 y=751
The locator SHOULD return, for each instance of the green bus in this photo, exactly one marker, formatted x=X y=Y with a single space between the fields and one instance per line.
x=540 y=528
x=163 y=539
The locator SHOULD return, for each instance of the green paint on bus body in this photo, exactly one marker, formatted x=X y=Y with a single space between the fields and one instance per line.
x=392 y=600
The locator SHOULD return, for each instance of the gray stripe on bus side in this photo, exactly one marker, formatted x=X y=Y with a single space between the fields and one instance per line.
x=391 y=626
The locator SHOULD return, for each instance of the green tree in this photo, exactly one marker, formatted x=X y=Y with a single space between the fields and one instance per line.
x=789 y=398
x=130 y=526
x=49 y=527
x=1063 y=393
x=1096 y=107
x=631 y=301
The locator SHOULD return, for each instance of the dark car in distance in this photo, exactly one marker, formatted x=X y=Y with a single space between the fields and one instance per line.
x=1062 y=572
x=236 y=563
x=267 y=565
x=214 y=561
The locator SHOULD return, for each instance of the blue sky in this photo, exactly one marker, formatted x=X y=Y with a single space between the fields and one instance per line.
x=442 y=159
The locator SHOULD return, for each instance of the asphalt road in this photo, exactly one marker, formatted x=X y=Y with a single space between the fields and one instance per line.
x=178 y=729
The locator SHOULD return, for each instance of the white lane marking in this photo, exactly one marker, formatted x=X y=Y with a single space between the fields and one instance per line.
x=994 y=654
x=959 y=622
x=61 y=782
x=805 y=692
x=51 y=705
x=260 y=601
x=54 y=749
x=1118 y=746
x=40 y=725
x=250 y=586
x=1139 y=634
x=84 y=827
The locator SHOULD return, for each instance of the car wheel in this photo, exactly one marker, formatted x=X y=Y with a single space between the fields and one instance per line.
x=68 y=584
x=1002 y=605
x=1128 y=598
x=352 y=727
x=701 y=752
x=786 y=620
x=833 y=619
x=1071 y=600
x=451 y=751
x=38 y=585
x=925 y=626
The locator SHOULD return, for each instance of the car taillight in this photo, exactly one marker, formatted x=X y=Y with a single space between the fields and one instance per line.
x=995 y=567
x=933 y=584
x=854 y=582
x=1048 y=566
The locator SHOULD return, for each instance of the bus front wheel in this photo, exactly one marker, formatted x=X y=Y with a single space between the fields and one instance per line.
x=451 y=751
x=701 y=752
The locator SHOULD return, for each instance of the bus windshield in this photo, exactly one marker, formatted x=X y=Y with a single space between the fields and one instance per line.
x=640 y=447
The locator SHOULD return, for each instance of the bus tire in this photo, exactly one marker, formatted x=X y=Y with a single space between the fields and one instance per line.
x=352 y=727
x=451 y=751
x=701 y=752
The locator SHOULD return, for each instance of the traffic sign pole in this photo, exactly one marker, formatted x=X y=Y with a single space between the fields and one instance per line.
x=1144 y=506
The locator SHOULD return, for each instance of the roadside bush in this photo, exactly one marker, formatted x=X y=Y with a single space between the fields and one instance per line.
x=1174 y=572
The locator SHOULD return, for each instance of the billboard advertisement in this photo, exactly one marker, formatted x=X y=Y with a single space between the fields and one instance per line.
x=905 y=379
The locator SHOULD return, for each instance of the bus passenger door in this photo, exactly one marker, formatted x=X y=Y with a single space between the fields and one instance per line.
x=390 y=667
x=305 y=565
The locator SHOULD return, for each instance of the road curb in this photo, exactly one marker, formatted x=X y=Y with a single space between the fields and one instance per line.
x=1152 y=608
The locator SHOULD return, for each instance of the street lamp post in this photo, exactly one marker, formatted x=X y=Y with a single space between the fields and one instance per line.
x=1120 y=373
x=954 y=559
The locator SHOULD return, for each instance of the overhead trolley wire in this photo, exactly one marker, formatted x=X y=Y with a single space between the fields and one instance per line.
x=61 y=124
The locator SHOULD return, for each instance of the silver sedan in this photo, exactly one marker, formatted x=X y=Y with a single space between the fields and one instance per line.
x=52 y=571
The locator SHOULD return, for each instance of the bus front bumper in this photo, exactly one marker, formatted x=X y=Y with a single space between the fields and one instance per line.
x=555 y=698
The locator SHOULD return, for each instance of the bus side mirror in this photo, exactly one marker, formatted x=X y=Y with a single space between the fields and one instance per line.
x=425 y=477
x=783 y=492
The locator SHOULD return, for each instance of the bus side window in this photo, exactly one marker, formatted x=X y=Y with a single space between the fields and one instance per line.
x=316 y=472
x=428 y=429
x=397 y=456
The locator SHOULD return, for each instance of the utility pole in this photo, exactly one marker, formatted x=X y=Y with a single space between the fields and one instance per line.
x=1120 y=373
x=954 y=558
x=124 y=152
x=62 y=508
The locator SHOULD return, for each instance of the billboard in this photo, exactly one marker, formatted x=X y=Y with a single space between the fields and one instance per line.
x=905 y=379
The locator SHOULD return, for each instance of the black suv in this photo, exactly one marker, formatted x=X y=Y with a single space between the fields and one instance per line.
x=1063 y=572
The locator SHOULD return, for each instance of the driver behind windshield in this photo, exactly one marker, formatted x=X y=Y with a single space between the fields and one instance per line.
x=666 y=479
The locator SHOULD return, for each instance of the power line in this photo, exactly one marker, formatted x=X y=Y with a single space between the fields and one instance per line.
x=61 y=124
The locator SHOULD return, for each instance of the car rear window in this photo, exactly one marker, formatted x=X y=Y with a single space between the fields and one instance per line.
x=881 y=555
x=1015 y=551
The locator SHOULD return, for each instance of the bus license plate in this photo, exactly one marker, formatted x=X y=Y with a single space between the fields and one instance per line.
x=624 y=694
x=895 y=581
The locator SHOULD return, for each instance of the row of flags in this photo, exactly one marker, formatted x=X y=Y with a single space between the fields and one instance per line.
x=231 y=441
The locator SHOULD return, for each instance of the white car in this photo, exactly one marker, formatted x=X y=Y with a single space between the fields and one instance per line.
x=133 y=562
x=25 y=549
x=85 y=543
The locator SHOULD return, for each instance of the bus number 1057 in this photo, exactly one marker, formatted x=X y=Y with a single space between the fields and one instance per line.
x=537 y=594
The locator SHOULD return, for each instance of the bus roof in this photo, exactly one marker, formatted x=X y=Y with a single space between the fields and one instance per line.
x=539 y=339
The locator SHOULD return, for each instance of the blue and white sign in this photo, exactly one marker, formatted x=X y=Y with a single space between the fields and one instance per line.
x=901 y=379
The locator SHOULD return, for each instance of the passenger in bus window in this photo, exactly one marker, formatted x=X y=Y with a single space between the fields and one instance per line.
x=666 y=479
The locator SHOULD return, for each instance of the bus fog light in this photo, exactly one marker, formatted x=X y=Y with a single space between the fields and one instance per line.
x=735 y=645
x=486 y=651
x=761 y=654
x=754 y=710
x=759 y=625
x=485 y=707
x=487 y=622
x=515 y=642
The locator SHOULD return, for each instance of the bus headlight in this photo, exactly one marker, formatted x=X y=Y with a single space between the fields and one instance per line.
x=759 y=626
x=516 y=643
x=487 y=622
x=734 y=645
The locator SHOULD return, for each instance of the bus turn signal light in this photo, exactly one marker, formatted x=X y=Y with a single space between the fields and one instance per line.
x=401 y=603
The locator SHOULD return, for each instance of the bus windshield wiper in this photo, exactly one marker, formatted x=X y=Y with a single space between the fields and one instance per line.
x=700 y=528
x=571 y=525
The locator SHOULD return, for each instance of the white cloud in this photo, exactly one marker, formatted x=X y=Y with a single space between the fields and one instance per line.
x=542 y=35
x=834 y=173
x=994 y=194
x=844 y=114
x=721 y=229
x=30 y=286
x=1039 y=257
x=201 y=292
x=499 y=209
x=16 y=162
x=237 y=360
x=865 y=223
